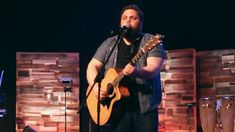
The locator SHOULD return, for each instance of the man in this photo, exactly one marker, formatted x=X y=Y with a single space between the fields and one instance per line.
x=139 y=110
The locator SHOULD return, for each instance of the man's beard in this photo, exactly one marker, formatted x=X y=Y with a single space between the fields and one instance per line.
x=131 y=34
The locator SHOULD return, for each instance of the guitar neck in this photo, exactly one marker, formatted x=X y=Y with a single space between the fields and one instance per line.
x=133 y=62
x=118 y=78
x=137 y=56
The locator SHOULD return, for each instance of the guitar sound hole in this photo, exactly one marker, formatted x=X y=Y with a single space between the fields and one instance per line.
x=110 y=88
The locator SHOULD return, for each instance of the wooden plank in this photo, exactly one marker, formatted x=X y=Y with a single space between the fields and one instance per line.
x=44 y=55
x=181 y=75
x=227 y=58
x=178 y=87
x=225 y=91
x=215 y=53
x=179 y=61
x=180 y=70
x=182 y=53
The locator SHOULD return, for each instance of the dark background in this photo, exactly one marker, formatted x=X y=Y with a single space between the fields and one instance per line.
x=80 y=26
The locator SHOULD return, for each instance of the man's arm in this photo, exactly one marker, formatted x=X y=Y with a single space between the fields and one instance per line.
x=92 y=70
x=152 y=68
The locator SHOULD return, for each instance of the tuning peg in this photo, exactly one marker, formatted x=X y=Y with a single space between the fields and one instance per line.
x=160 y=36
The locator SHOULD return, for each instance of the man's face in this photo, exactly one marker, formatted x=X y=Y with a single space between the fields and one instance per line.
x=131 y=18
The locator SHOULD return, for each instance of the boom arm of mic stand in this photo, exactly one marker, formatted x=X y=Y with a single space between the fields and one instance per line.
x=97 y=80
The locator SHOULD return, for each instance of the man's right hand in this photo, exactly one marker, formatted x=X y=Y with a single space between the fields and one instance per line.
x=103 y=94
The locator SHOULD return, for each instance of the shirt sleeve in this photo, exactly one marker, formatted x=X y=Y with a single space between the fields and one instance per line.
x=103 y=49
x=158 y=50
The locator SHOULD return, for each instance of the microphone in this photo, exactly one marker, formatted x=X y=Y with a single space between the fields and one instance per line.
x=67 y=83
x=65 y=79
x=125 y=28
x=122 y=30
x=188 y=104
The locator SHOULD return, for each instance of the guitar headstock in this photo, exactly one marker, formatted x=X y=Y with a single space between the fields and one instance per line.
x=152 y=42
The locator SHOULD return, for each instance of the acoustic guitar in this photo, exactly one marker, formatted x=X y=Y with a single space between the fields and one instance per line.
x=110 y=83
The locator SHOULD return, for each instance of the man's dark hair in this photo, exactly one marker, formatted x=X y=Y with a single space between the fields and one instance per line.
x=133 y=7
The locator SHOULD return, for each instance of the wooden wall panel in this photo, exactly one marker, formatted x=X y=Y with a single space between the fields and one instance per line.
x=216 y=72
x=40 y=101
x=178 y=78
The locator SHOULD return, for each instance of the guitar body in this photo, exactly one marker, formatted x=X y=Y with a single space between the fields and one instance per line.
x=107 y=104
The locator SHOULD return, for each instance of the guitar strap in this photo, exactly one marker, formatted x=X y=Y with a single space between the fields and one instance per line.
x=136 y=45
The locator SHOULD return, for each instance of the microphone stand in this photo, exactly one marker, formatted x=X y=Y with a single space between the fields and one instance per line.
x=99 y=78
x=67 y=82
